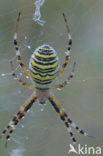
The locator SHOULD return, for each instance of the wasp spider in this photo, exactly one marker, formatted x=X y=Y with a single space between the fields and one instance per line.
x=44 y=67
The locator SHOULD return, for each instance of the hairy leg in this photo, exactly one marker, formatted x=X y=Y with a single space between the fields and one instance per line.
x=19 y=80
x=17 y=49
x=68 y=79
x=68 y=49
x=63 y=116
x=68 y=122
x=12 y=124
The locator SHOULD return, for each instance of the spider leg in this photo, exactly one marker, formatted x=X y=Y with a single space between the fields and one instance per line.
x=68 y=49
x=19 y=80
x=22 y=82
x=12 y=124
x=68 y=79
x=63 y=116
x=66 y=119
x=17 y=49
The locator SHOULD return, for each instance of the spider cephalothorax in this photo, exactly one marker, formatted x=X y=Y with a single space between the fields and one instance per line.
x=44 y=68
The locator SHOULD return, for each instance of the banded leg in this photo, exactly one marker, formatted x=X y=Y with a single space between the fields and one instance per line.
x=12 y=124
x=19 y=80
x=68 y=49
x=66 y=119
x=68 y=79
x=17 y=49
x=63 y=116
x=22 y=82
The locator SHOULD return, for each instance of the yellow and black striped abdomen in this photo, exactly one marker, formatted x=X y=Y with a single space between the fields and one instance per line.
x=44 y=65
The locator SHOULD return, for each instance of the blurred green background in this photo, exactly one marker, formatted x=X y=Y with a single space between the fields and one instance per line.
x=42 y=132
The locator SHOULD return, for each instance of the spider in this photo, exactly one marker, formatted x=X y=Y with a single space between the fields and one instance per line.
x=44 y=67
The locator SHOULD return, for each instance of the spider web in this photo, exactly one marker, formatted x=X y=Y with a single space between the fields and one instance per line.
x=41 y=22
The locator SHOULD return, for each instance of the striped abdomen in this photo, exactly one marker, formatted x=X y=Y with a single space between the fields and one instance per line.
x=44 y=65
